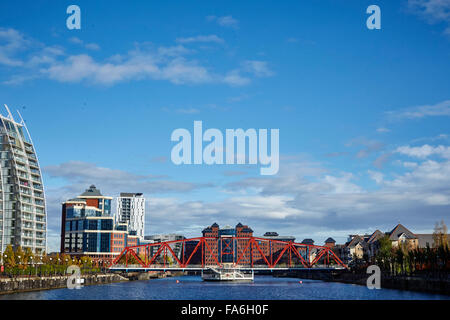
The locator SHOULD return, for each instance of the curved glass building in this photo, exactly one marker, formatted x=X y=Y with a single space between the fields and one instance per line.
x=22 y=202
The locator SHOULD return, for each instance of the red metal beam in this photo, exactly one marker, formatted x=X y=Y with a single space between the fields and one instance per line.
x=302 y=260
x=243 y=252
x=252 y=242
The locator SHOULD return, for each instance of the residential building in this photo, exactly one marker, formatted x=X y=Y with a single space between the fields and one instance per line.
x=23 y=220
x=308 y=241
x=367 y=245
x=330 y=243
x=221 y=247
x=131 y=210
x=427 y=240
x=88 y=227
x=400 y=235
x=273 y=249
x=176 y=246
x=232 y=244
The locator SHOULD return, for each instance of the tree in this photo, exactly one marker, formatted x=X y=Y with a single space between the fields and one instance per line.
x=29 y=256
x=19 y=254
x=384 y=255
x=8 y=257
x=66 y=260
x=440 y=235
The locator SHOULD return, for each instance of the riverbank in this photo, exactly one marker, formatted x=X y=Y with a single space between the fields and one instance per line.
x=26 y=284
x=420 y=284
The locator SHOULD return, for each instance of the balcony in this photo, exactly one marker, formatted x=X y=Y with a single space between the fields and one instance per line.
x=40 y=211
x=29 y=148
x=38 y=195
x=24 y=183
x=33 y=164
x=35 y=171
x=25 y=191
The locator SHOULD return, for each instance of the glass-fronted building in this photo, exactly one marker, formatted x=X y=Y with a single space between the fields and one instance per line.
x=22 y=201
x=89 y=228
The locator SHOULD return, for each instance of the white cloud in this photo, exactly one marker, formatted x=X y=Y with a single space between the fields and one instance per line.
x=383 y=130
x=209 y=38
x=370 y=146
x=146 y=62
x=258 y=68
x=82 y=174
x=90 y=46
x=225 y=21
x=381 y=160
x=376 y=176
x=188 y=110
x=424 y=151
x=234 y=78
x=439 y=109
x=433 y=11
x=12 y=42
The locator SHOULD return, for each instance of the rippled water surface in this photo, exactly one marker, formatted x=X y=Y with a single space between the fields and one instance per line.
x=192 y=287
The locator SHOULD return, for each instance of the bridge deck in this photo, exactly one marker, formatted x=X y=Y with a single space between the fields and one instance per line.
x=139 y=268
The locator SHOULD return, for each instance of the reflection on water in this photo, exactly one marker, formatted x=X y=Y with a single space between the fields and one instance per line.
x=192 y=287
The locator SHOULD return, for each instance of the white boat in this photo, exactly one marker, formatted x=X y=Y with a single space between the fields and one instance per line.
x=213 y=274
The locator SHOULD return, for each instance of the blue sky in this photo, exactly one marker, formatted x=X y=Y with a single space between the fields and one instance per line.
x=363 y=114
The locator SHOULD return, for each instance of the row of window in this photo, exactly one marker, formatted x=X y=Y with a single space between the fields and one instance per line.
x=89 y=224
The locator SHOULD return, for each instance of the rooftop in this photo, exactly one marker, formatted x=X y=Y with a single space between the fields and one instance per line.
x=91 y=192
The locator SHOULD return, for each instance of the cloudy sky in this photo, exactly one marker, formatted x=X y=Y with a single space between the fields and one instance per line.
x=363 y=114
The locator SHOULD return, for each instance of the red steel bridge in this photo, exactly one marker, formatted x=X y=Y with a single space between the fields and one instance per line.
x=200 y=253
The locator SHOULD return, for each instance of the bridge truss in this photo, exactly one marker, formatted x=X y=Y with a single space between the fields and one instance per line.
x=239 y=252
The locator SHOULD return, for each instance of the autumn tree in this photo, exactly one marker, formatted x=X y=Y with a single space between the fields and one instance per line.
x=29 y=256
x=440 y=235
x=19 y=254
x=8 y=257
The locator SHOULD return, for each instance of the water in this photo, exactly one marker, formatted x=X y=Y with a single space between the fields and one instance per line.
x=192 y=287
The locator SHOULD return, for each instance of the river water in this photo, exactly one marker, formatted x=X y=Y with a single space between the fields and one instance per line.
x=192 y=287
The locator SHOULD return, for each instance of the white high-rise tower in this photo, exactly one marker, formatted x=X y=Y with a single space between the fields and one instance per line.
x=22 y=203
x=131 y=210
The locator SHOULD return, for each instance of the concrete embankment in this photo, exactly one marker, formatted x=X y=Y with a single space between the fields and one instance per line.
x=423 y=284
x=12 y=285
x=152 y=275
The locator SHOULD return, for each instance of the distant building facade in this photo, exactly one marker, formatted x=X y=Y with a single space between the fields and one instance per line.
x=131 y=210
x=231 y=244
x=177 y=247
x=367 y=245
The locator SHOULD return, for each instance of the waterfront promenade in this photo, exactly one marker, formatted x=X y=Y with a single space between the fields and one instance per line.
x=23 y=284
